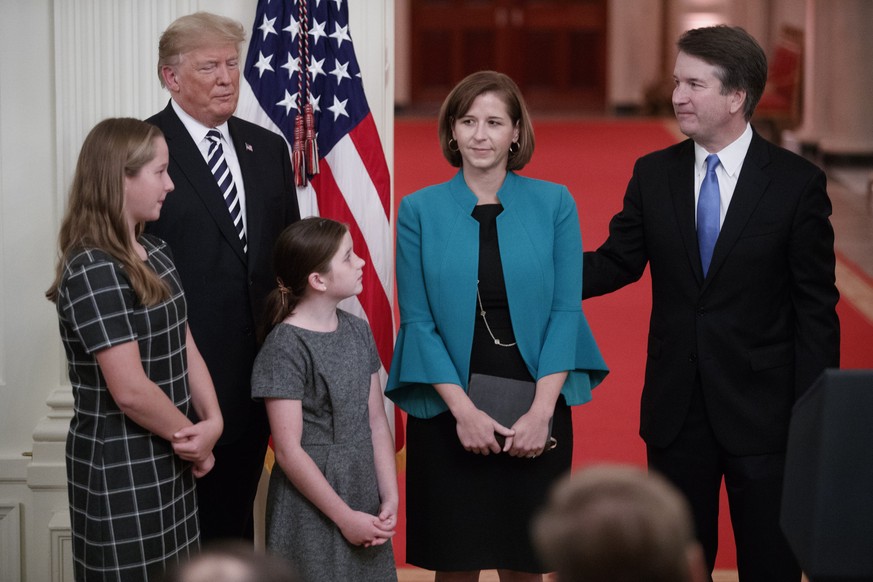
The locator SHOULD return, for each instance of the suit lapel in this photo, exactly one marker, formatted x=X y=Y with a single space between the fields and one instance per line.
x=681 y=184
x=750 y=187
x=192 y=166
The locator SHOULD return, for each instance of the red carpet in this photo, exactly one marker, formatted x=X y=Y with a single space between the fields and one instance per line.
x=594 y=158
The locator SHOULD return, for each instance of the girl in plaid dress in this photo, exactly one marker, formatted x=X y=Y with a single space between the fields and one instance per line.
x=145 y=415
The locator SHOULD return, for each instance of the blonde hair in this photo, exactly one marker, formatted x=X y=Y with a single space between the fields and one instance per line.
x=113 y=149
x=194 y=31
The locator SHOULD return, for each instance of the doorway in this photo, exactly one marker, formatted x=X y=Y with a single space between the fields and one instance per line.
x=554 y=49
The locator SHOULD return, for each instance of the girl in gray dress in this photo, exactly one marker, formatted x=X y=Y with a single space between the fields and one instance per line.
x=332 y=501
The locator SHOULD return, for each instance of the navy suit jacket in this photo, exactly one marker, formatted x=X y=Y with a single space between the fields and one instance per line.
x=761 y=326
x=224 y=286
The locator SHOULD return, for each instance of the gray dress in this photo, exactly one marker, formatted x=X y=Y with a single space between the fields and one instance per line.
x=330 y=374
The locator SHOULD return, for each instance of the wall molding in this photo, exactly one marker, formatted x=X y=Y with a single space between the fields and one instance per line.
x=10 y=541
x=61 y=546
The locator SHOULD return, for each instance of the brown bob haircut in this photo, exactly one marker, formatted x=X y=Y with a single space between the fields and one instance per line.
x=461 y=98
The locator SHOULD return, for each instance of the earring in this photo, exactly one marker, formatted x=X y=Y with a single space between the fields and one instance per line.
x=453 y=145
x=514 y=150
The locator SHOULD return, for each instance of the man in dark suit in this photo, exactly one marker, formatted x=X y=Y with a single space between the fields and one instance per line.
x=222 y=240
x=743 y=296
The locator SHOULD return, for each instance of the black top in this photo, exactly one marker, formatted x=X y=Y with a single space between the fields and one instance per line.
x=486 y=356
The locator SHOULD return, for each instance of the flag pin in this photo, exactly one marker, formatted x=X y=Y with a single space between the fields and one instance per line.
x=249 y=148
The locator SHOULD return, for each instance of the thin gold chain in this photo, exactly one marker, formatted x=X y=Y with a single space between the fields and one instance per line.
x=497 y=342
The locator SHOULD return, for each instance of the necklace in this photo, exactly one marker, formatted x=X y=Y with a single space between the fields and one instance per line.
x=497 y=342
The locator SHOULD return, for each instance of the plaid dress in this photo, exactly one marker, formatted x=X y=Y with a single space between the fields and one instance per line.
x=133 y=504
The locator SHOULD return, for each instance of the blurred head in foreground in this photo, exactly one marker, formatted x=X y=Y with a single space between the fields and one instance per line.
x=614 y=523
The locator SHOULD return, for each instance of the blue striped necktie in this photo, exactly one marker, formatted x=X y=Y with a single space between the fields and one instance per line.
x=708 y=206
x=221 y=171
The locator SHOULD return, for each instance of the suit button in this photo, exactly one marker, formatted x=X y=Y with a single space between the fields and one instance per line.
x=700 y=313
x=692 y=358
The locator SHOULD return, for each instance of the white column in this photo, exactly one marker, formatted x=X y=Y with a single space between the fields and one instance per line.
x=635 y=52
x=838 y=77
x=848 y=121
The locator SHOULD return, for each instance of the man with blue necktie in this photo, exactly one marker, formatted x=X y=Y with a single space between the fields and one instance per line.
x=737 y=235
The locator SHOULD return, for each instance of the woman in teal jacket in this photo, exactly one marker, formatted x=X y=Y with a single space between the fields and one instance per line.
x=489 y=276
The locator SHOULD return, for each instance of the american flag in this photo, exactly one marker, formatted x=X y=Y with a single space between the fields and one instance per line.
x=352 y=184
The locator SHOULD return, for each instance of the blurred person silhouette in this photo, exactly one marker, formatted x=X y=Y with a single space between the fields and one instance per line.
x=233 y=561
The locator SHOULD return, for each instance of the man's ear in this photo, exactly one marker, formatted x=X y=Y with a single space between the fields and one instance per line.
x=168 y=74
x=738 y=101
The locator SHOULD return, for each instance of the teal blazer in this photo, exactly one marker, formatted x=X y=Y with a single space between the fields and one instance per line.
x=437 y=269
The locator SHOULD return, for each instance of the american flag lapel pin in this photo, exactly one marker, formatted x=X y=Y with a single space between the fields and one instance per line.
x=249 y=148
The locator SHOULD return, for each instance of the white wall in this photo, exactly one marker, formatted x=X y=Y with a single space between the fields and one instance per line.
x=64 y=65
x=28 y=342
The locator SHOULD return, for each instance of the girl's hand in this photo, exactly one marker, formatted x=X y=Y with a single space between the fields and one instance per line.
x=363 y=529
x=201 y=468
x=388 y=515
x=531 y=434
x=194 y=443
x=476 y=431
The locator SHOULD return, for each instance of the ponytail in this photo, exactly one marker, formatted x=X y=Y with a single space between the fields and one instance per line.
x=304 y=247
x=279 y=304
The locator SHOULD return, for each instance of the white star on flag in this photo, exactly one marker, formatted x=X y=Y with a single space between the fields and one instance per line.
x=291 y=65
x=293 y=28
x=316 y=68
x=263 y=63
x=340 y=34
x=314 y=102
x=341 y=71
x=338 y=108
x=289 y=102
x=317 y=30
x=267 y=27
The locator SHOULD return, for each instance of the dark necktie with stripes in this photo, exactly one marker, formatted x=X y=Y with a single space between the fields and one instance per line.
x=221 y=171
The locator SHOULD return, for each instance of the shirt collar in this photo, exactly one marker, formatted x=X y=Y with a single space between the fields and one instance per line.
x=731 y=157
x=196 y=129
x=467 y=200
